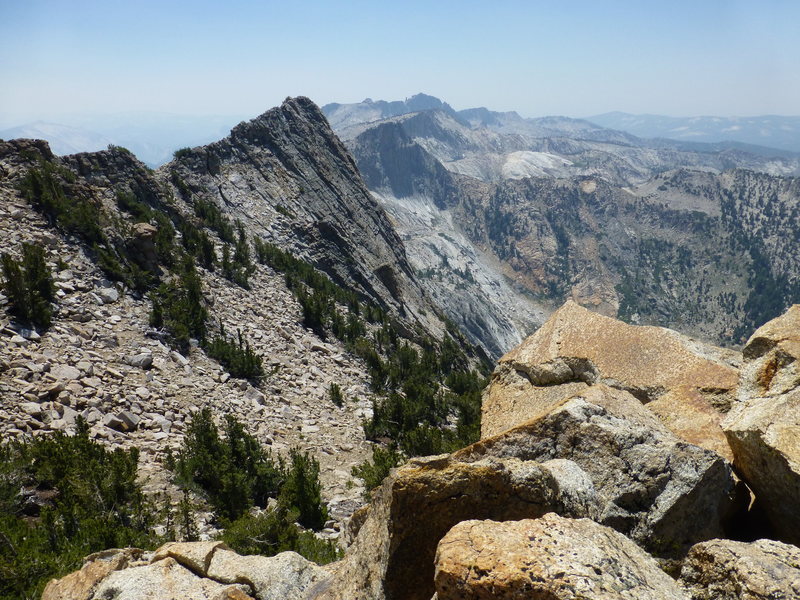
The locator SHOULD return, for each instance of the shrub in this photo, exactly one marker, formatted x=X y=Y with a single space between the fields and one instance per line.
x=211 y=216
x=198 y=244
x=179 y=183
x=29 y=286
x=125 y=271
x=87 y=499
x=235 y=355
x=335 y=392
x=281 y=209
x=234 y=472
x=238 y=269
x=178 y=307
x=374 y=472
x=271 y=532
x=181 y=153
x=42 y=187
x=123 y=149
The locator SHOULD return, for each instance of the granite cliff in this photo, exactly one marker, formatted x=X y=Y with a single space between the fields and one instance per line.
x=694 y=241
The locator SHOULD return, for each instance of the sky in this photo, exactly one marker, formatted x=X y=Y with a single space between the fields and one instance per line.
x=574 y=58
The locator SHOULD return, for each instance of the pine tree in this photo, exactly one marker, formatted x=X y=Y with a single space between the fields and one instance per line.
x=302 y=490
x=29 y=286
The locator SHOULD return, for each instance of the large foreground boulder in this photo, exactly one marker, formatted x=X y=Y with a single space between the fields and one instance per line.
x=763 y=428
x=552 y=557
x=600 y=455
x=658 y=490
x=728 y=570
x=688 y=384
x=196 y=570
x=393 y=554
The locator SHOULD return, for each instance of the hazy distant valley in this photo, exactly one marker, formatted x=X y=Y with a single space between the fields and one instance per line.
x=152 y=137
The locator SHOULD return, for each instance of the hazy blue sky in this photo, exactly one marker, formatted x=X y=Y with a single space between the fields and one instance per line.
x=233 y=57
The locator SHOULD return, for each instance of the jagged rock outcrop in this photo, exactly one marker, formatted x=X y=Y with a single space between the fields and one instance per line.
x=196 y=570
x=290 y=176
x=393 y=554
x=687 y=384
x=650 y=483
x=600 y=455
x=763 y=428
x=729 y=570
x=551 y=557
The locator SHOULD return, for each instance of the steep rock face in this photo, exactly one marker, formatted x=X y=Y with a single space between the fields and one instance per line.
x=393 y=555
x=728 y=570
x=460 y=276
x=650 y=483
x=763 y=428
x=389 y=159
x=289 y=173
x=551 y=557
x=684 y=382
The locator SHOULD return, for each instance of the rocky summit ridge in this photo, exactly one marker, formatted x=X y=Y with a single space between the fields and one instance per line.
x=591 y=496
x=268 y=171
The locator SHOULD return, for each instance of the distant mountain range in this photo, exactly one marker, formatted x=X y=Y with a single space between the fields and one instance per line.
x=493 y=146
x=768 y=130
x=153 y=137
